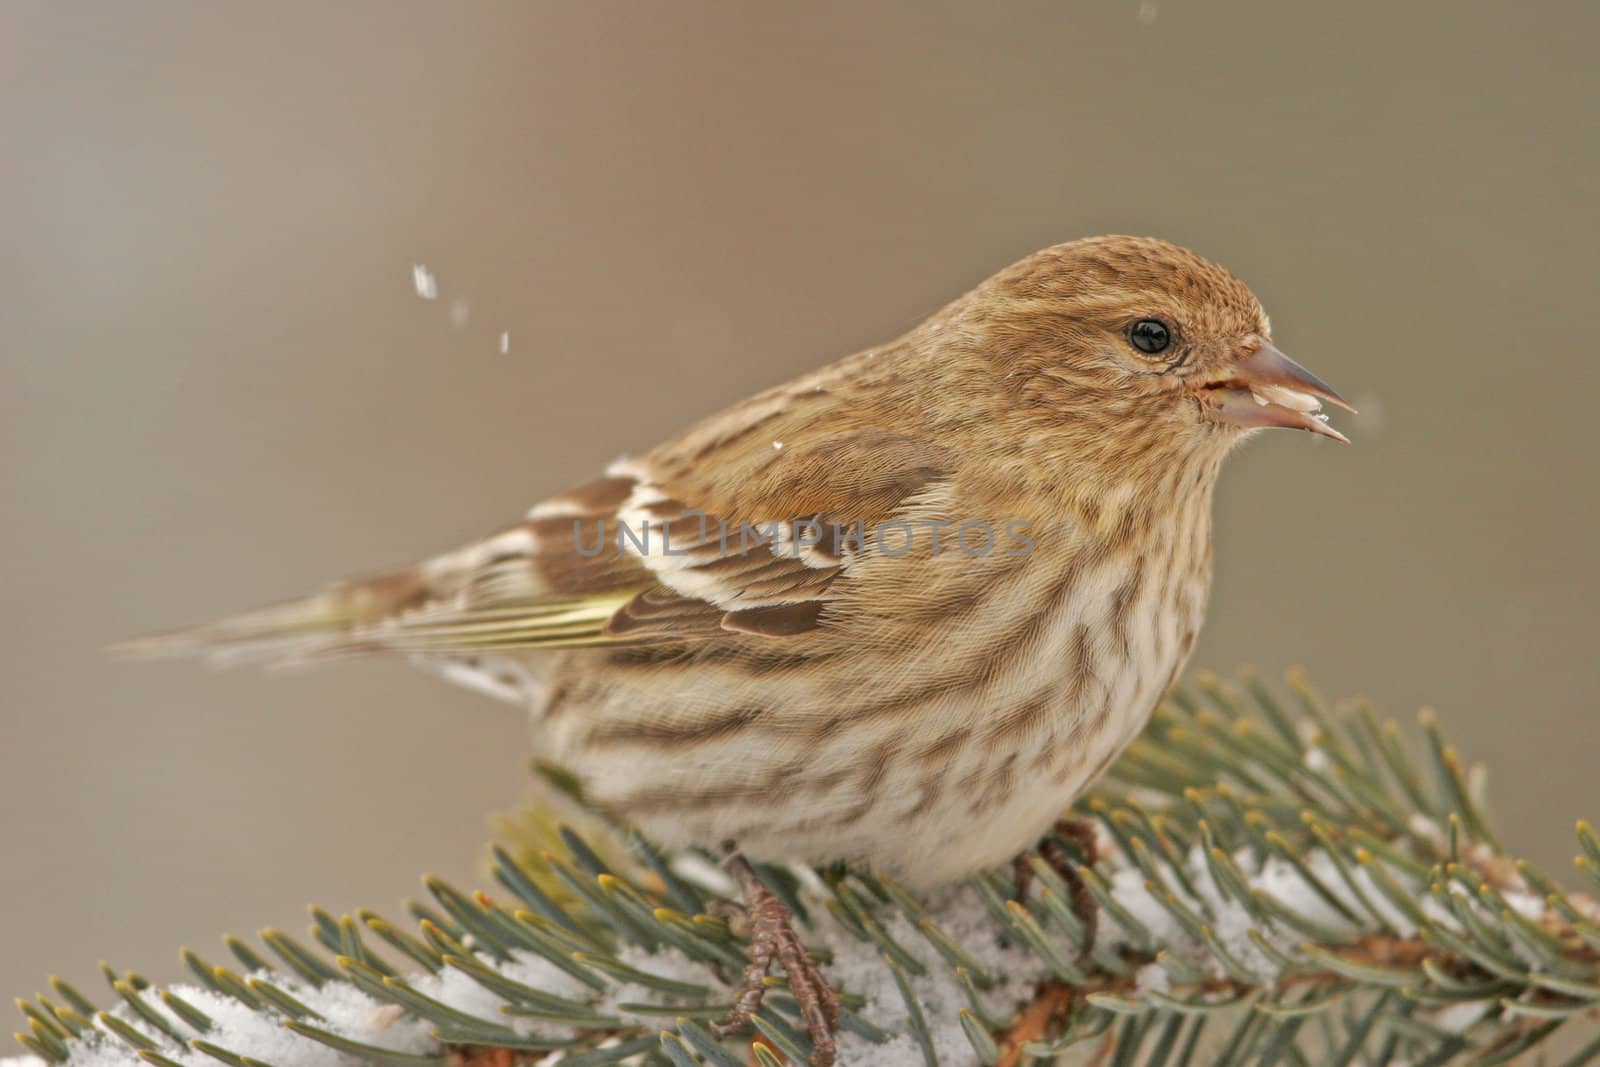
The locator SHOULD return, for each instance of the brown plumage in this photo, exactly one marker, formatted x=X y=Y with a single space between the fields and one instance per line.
x=804 y=697
x=1001 y=563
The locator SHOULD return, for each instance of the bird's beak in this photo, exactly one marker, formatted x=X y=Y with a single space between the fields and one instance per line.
x=1267 y=388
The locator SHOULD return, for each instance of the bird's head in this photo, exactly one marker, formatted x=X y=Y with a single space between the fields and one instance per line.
x=1111 y=334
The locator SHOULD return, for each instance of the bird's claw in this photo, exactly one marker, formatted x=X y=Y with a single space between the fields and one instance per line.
x=772 y=936
x=1081 y=834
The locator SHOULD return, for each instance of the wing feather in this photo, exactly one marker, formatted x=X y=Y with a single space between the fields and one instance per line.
x=566 y=577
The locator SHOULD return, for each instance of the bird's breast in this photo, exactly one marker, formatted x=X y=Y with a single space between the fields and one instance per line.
x=982 y=734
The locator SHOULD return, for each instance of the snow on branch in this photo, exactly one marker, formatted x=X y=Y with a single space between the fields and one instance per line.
x=1274 y=887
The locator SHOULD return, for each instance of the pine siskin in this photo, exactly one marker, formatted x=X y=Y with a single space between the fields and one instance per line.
x=900 y=611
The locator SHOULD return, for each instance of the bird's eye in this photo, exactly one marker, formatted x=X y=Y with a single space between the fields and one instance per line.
x=1150 y=336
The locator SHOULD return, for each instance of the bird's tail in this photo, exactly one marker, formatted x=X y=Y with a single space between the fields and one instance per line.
x=486 y=595
x=315 y=627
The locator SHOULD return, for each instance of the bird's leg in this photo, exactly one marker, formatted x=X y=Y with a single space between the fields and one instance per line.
x=772 y=936
x=1080 y=832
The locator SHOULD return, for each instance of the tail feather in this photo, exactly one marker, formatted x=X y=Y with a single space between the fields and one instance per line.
x=315 y=627
x=432 y=609
x=519 y=589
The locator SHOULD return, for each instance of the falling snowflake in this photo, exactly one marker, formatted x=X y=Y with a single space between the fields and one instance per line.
x=427 y=286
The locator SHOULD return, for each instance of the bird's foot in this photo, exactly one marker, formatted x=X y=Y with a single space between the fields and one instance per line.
x=1080 y=834
x=772 y=936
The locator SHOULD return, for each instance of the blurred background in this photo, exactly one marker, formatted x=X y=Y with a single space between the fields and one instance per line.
x=219 y=387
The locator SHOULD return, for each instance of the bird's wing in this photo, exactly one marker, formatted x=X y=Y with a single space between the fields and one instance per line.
x=654 y=551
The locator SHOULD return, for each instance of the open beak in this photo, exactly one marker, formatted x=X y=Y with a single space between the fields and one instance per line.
x=1267 y=388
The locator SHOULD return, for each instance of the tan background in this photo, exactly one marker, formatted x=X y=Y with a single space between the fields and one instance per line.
x=217 y=387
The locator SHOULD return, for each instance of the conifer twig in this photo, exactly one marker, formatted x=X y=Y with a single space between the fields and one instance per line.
x=1279 y=882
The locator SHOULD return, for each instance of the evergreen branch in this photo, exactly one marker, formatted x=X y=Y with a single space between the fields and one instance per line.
x=1277 y=886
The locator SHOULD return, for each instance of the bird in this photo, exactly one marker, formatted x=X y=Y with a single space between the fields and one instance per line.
x=898 y=612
